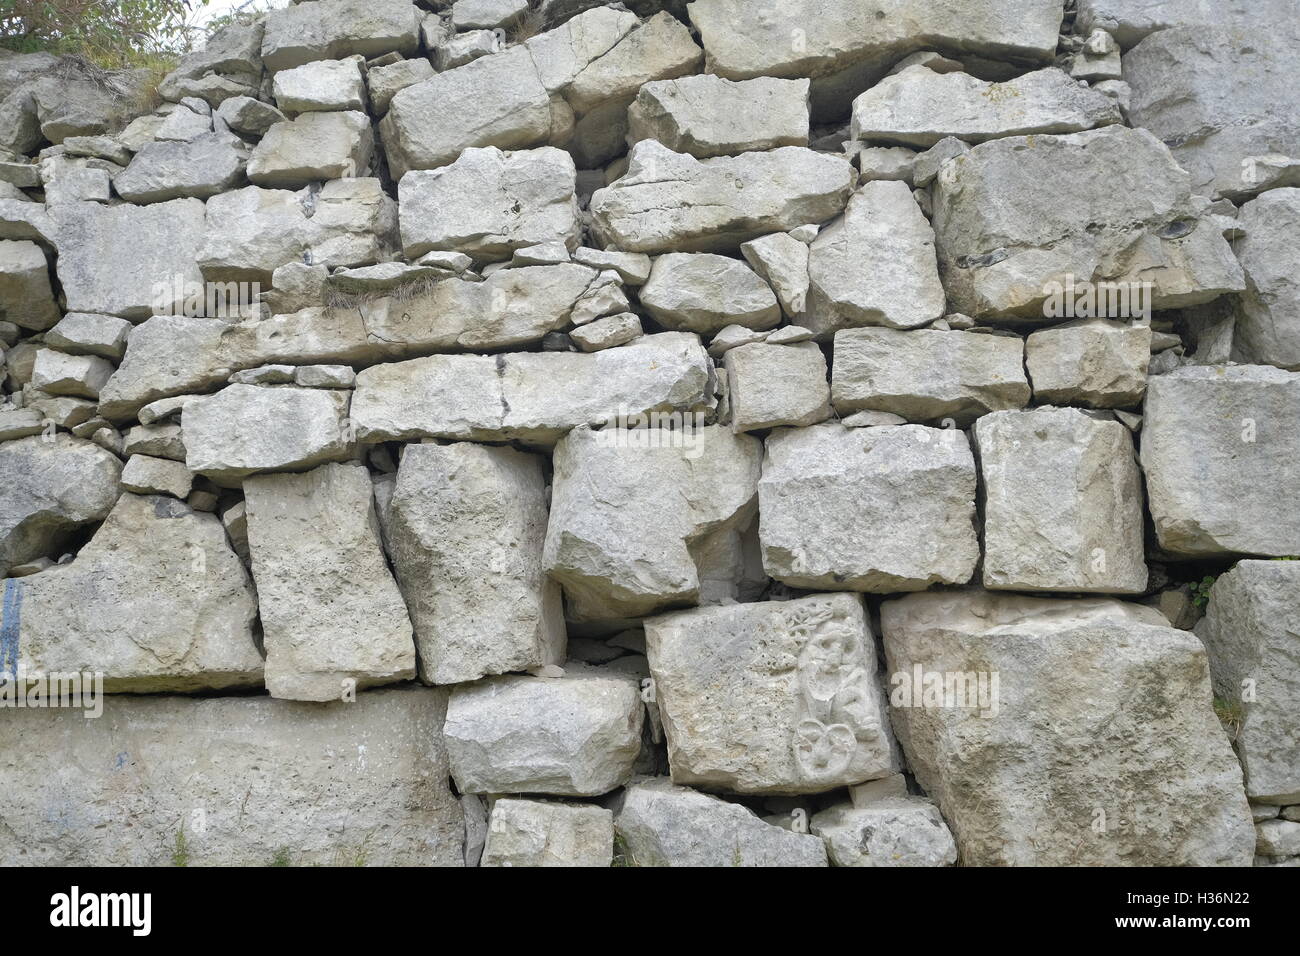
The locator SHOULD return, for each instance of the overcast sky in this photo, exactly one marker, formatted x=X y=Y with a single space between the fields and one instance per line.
x=217 y=7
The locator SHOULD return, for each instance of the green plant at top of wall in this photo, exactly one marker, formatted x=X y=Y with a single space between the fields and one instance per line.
x=109 y=34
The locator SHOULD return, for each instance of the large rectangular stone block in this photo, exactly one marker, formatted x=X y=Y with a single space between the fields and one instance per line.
x=231 y=781
x=1097 y=746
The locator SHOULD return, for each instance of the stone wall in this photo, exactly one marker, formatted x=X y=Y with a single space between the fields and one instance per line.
x=554 y=432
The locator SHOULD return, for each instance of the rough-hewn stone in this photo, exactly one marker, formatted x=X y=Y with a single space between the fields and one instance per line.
x=927 y=375
x=331 y=611
x=578 y=735
x=1216 y=443
x=631 y=510
x=665 y=825
x=465 y=531
x=1062 y=499
x=155 y=602
x=868 y=509
x=1104 y=748
x=223 y=771
x=1251 y=634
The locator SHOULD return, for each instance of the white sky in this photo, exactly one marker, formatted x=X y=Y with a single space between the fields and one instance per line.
x=218 y=7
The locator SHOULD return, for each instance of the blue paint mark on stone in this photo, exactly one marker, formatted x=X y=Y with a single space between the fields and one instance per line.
x=10 y=619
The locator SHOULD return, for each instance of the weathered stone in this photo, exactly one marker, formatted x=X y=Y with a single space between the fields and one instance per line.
x=164 y=409
x=902 y=831
x=385 y=82
x=25 y=220
x=886 y=162
x=1007 y=244
x=249 y=116
x=918 y=107
x=771 y=385
x=665 y=825
x=632 y=509
x=187 y=121
x=320 y=85
x=605 y=296
x=734 y=336
x=1092 y=362
x=332 y=29
x=846 y=44
x=160 y=760
x=660 y=48
x=875 y=265
x=473 y=519
x=325 y=376
x=112 y=259
x=1098 y=61
x=312 y=147
x=1278 y=838
x=486 y=14
x=453 y=51
x=1219 y=95
x=1216 y=448
x=332 y=614
x=264 y=375
x=81 y=333
x=145 y=475
x=234 y=52
x=1062 y=503
x=20 y=422
x=1267 y=330
x=76 y=180
x=703 y=292
x=1249 y=632
x=496 y=100
x=245 y=429
x=511 y=307
x=81 y=376
x=22 y=175
x=773 y=697
x=873 y=791
x=76 y=100
x=1101 y=747
x=201 y=168
x=163 y=440
x=706 y=115
x=488 y=203
x=868 y=509
x=574 y=736
x=674 y=202
x=536 y=833
x=607 y=332
x=533 y=397
x=253 y=231
x=26 y=298
x=632 y=267
x=175 y=355
x=156 y=601
x=107 y=148
x=47 y=490
x=63 y=410
x=926 y=374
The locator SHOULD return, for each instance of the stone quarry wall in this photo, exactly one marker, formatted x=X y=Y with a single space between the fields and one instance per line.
x=851 y=432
